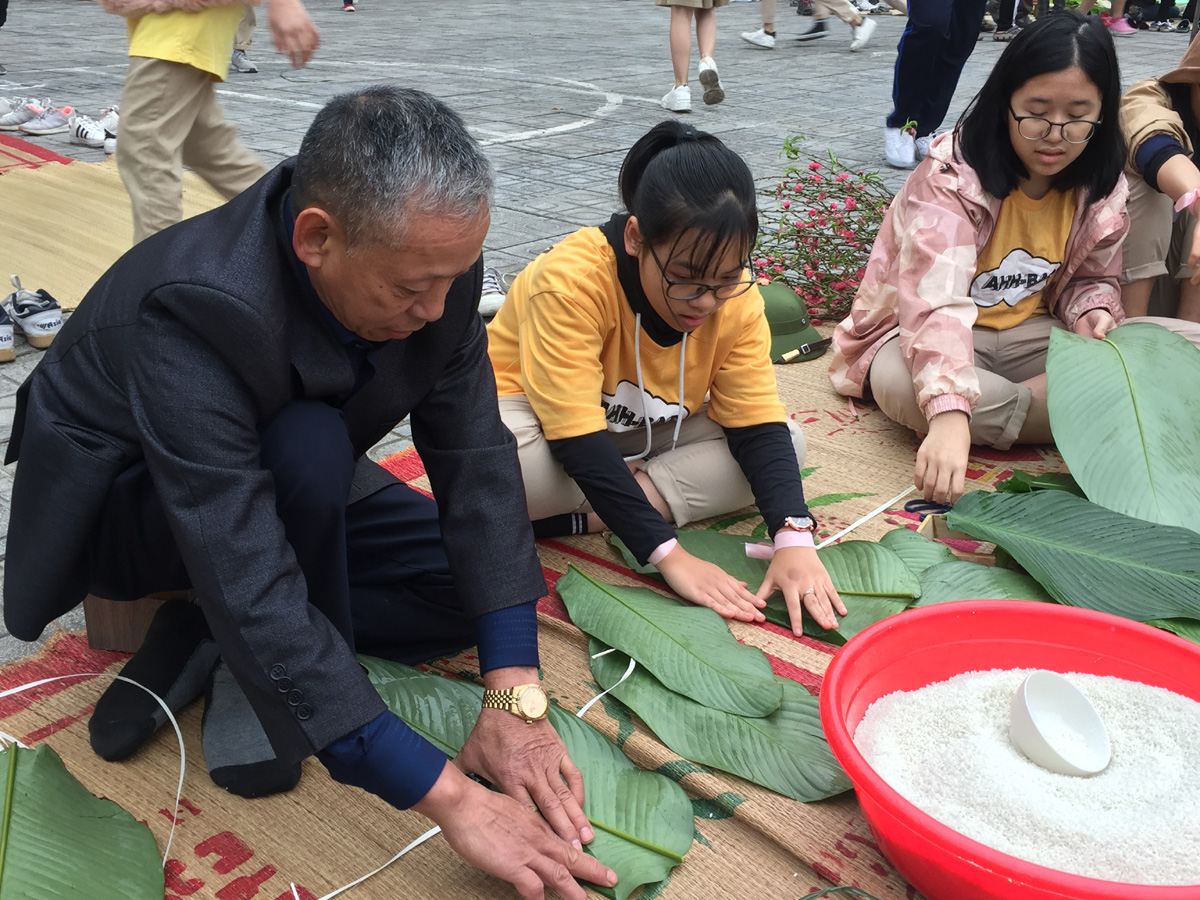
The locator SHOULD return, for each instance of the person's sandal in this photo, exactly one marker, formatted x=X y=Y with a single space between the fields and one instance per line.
x=1006 y=35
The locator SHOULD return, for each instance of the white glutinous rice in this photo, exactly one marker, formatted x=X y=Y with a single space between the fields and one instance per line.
x=945 y=748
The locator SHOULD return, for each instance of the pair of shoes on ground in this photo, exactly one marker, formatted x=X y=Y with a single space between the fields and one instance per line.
x=240 y=62
x=1119 y=27
x=679 y=99
x=179 y=661
x=902 y=150
x=860 y=34
x=36 y=313
x=21 y=111
x=97 y=133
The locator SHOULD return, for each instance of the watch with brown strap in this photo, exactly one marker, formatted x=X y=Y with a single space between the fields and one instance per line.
x=526 y=701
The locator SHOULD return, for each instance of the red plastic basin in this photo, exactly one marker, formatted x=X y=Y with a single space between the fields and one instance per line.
x=923 y=646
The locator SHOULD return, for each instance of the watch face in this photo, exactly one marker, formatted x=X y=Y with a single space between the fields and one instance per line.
x=533 y=703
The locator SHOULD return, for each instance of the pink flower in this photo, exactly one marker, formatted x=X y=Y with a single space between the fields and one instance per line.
x=834 y=205
x=851 y=203
x=787 y=204
x=844 y=176
x=814 y=165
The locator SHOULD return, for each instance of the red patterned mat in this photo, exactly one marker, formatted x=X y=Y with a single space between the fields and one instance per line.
x=16 y=153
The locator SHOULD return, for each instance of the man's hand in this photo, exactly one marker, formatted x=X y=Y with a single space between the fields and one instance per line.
x=292 y=31
x=707 y=584
x=1095 y=323
x=502 y=837
x=941 y=468
x=800 y=574
x=527 y=761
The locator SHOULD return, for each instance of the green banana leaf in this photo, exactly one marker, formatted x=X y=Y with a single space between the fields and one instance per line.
x=1022 y=483
x=1125 y=412
x=57 y=840
x=785 y=751
x=643 y=821
x=962 y=580
x=861 y=613
x=917 y=551
x=689 y=648
x=1088 y=556
x=857 y=568
x=1188 y=629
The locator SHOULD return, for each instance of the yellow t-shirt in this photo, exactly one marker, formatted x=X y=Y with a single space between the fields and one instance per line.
x=1024 y=252
x=565 y=339
x=203 y=40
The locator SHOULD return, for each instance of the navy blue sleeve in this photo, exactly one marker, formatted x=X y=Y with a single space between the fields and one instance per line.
x=508 y=637
x=1151 y=155
x=387 y=758
x=596 y=465
x=768 y=460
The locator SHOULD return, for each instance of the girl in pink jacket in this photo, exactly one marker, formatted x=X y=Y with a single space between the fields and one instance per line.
x=1010 y=227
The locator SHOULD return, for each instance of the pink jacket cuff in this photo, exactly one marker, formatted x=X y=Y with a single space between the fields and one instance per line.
x=945 y=403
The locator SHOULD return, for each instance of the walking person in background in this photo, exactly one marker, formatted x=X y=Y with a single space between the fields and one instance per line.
x=240 y=61
x=765 y=36
x=861 y=27
x=1118 y=25
x=170 y=116
x=3 y=19
x=679 y=98
x=932 y=52
x=1006 y=17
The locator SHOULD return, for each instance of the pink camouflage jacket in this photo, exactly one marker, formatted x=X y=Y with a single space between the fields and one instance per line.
x=919 y=275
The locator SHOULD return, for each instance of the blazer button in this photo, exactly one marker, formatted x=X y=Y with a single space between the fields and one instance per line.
x=278 y=671
x=303 y=712
x=295 y=698
x=283 y=685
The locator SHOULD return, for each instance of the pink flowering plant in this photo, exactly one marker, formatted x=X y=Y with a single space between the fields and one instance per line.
x=818 y=234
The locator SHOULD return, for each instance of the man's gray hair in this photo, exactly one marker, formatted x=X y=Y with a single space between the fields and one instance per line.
x=376 y=157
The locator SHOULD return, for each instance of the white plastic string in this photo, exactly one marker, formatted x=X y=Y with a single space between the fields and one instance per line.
x=628 y=672
x=418 y=842
x=872 y=514
x=161 y=702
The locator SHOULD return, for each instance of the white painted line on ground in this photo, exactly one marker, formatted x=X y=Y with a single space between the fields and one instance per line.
x=242 y=95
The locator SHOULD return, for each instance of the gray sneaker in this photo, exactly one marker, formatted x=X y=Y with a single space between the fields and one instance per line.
x=241 y=63
x=23 y=110
x=492 y=296
x=51 y=121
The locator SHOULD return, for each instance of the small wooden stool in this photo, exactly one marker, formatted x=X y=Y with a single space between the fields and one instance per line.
x=121 y=624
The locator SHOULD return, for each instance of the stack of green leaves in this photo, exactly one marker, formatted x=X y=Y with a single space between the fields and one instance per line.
x=709 y=698
x=58 y=840
x=643 y=820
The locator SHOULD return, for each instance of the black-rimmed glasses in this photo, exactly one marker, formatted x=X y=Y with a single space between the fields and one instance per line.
x=693 y=290
x=1034 y=128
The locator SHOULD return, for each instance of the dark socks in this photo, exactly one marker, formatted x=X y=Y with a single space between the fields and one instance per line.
x=236 y=750
x=561 y=526
x=174 y=661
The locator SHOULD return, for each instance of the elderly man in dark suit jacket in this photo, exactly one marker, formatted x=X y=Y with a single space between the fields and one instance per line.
x=201 y=422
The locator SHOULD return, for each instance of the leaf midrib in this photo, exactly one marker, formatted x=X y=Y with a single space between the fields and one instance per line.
x=8 y=805
x=1137 y=415
x=704 y=663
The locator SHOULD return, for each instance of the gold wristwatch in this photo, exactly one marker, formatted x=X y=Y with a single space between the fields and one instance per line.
x=527 y=701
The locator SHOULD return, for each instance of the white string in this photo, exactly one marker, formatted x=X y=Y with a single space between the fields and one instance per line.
x=418 y=842
x=682 y=408
x=161 y=702
x=637 y=363
x=628 y=672
x=872 y=514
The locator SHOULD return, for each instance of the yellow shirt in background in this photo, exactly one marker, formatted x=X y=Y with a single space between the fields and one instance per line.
x=1024 y=252
x=203 y=40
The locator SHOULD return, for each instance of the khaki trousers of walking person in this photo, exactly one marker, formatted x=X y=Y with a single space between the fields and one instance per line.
x=170 y=118
x=698 y=478
x=245 y=33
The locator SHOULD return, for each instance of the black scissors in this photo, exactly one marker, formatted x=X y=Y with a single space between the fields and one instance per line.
x=926 y=508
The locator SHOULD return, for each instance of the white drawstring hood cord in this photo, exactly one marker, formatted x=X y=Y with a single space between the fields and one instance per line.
x=637 y=360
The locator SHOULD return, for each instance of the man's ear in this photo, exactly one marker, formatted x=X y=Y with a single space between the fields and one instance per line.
x=315 y=235
x=633 y=237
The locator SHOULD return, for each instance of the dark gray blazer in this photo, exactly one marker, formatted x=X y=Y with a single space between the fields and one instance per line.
x=183 y=349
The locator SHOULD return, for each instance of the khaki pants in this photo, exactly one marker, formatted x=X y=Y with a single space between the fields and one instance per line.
x=1002 y=359
x=245 y=33
x=170 y=118
x=698 y=479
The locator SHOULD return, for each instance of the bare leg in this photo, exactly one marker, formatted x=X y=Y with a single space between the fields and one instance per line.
x=1118 y=8
x=1135 y=296
x=1036 y=429
x=1189 y=302
x=681 y=43
x=706 y=32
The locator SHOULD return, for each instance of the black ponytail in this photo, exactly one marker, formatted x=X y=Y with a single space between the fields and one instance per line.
x=677 y=180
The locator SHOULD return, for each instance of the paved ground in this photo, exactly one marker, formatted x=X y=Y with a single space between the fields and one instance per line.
x=557 y=90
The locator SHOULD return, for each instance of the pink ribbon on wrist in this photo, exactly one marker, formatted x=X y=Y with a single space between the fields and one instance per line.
x=787 y=538
x=1187 y=200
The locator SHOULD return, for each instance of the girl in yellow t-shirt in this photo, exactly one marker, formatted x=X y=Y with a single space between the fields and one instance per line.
x=633 y=366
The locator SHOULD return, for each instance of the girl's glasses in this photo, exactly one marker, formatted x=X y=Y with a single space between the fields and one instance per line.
x=693 y=290
x=1034 y=128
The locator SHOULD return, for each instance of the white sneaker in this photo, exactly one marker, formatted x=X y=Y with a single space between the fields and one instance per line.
x=899 y=148
x=862 y=34
x=51 y=121
x=110 y=119
x=87 y=132
x=759 y=39
x=711 y=82
x=922 y=146
x=678 y=99
x=36 y=312
x=492 y=296
x=110 y=146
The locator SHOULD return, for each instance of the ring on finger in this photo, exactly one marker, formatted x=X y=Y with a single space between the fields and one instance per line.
x=806 y=593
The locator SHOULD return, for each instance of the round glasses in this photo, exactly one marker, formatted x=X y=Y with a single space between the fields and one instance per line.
x=1034 y=128
x=693 y=290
